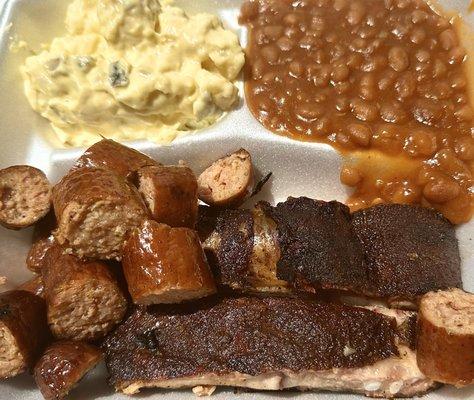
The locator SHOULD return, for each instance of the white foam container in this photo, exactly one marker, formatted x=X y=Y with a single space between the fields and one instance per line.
x=299 y=168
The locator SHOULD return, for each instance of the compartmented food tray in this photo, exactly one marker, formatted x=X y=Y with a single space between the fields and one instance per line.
x=299 y=168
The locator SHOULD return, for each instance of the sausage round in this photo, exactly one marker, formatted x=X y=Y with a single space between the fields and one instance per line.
x=25 y=196
x=170 y=193
x=96 y=209
x=84 y=300
x=116 y=157
x=445 y=350
x=166 y=265
x=228 y=181
x=62 y=366
x=23 y=331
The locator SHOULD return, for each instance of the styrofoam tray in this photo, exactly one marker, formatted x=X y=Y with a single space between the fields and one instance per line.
x=298 y=168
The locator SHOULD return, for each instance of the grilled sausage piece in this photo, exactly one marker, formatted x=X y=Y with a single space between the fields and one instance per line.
x=25 y=196
x=111 y=155
x=63 y=365
x=228 y=181
x=166 y=265
x=35 y=285
x=23 y=331
x=170 y=193
x=35 y=259
x=446 y=337
x=96 y=209
x=83 y=298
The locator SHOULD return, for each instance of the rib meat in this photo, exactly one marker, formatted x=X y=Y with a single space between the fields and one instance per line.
x=269 y=344
x=392 y=252
x=409 y=250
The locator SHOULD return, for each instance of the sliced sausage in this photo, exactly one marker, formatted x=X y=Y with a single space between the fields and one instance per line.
x=63 y=365
x=166 y=265
x=170 y=193
x=25 y=196
x=35 y=285
x=36 y=256
x=228 y=181
x=96 y=209
x=111 y=155
x=446 y=337
x=83 y=298
x=24 y=331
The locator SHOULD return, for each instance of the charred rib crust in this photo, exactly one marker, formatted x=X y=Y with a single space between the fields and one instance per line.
x=409 y=250
x=207 y=221
x=317 y=244
x=407 y=332
x=235 y=229
x=247 y=335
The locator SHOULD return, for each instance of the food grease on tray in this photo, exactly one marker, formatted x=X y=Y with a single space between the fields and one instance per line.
x=96 y=209
x=134 y=70
x=63 y=365
x=389 y=81
x=23 y=331
x=446 y=337
x=84 y=299
x=25 y=196
x=264 y=343
x=171 y=194
x=166 y=265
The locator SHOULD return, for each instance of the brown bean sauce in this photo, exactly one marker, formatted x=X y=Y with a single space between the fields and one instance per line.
x=382 y=81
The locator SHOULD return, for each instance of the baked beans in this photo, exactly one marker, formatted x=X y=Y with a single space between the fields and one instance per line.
x=383 y=78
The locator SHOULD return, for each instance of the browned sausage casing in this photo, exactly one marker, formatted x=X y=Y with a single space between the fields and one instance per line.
x=25 y=196
x=166 y=265
x=35 y=259
x=111 y=155
x=170 y=193
x=23 y=331
x=446 y=337
x=35 y=285
x=96 y=209
x=228 y=181
x=63 y=365
x=84 y=299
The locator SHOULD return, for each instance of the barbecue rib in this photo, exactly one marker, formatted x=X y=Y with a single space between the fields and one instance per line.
x=410 y=250
x=388 y=251
x=269 y=344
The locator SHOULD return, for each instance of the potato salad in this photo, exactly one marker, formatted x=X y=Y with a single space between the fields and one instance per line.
x=134 y=69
